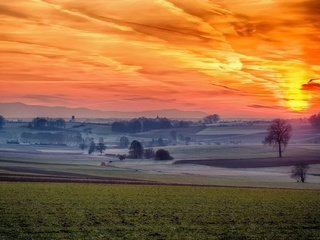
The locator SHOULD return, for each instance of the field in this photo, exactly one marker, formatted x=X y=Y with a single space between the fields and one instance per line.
x=225 y=165
x=95 y=211
x=224 y=184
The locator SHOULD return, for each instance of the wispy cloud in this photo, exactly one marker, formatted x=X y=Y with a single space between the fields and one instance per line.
x=265 y=107
x=211 y=55
x=46 y=98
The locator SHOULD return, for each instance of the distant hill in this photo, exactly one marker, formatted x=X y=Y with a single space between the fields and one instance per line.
x=21 y=110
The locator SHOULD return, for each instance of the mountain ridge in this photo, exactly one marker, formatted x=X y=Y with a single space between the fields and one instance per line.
x=22 y=110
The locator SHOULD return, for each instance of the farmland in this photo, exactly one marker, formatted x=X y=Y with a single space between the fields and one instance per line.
x=50 y=164
x=95 y=211
x=231 y=155
x=223 y=184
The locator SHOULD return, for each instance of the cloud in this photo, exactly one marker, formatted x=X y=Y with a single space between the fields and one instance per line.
x=209 y=53
x=158 y=29
x=4 y=10
x=265 y=107
x=312 y=85
x=46 y=98
x=310 y=8
x=229 y=88
x=141 y=98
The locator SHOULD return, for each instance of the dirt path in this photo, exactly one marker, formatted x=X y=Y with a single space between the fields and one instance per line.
x=253 y=162
x=66 y=179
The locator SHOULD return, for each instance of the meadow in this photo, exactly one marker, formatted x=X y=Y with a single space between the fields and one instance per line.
x=100 y=211
x=39 y=163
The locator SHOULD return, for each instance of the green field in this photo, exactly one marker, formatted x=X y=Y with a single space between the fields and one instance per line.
x=96 y=211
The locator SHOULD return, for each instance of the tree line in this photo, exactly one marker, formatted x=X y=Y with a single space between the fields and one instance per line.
x=315 y=120
x=40 y=123
x=136 y=150
x=57 y=138
x=147 y=124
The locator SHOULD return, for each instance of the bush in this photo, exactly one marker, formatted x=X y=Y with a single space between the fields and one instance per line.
x=162 y=154
x=121 y=157
x=149 y=153
x=299 y=172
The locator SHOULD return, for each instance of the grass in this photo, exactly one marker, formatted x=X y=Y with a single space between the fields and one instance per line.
x=163 y=172
x=239 y=151
x=93 y=211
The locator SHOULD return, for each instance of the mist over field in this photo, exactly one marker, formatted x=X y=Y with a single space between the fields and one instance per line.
x=155 y=162
x=207 y=151
x=159 y=119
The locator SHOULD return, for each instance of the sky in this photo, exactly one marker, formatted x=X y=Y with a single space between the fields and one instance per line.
x=252 y=58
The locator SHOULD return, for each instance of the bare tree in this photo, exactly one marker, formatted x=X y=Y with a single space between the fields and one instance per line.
x=279 y=134
x=299 y=172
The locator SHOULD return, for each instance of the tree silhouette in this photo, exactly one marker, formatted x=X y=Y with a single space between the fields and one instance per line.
x=60 y=123
x=124 y=142
x=92 y=147
x=2 y=121
x=162 y=154
x=211 y=119
x=279 y=134
x=149 y=153
x=41 y=123
x=136 y=149
x=101 y=147
x=299 y=172
x=315 y=120
x=83 y=146
x=173 y=134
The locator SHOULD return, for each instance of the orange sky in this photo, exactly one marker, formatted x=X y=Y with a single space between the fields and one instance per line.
x=232 y=57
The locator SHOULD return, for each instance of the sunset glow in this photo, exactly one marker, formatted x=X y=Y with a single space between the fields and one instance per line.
x=233 y=57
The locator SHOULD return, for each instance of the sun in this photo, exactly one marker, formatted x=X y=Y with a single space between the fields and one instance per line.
x=298 y=105
x=297 y=99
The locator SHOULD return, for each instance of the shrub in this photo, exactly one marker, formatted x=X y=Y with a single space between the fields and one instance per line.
x=149 y=153
x=162 y=154
x=299 y=172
